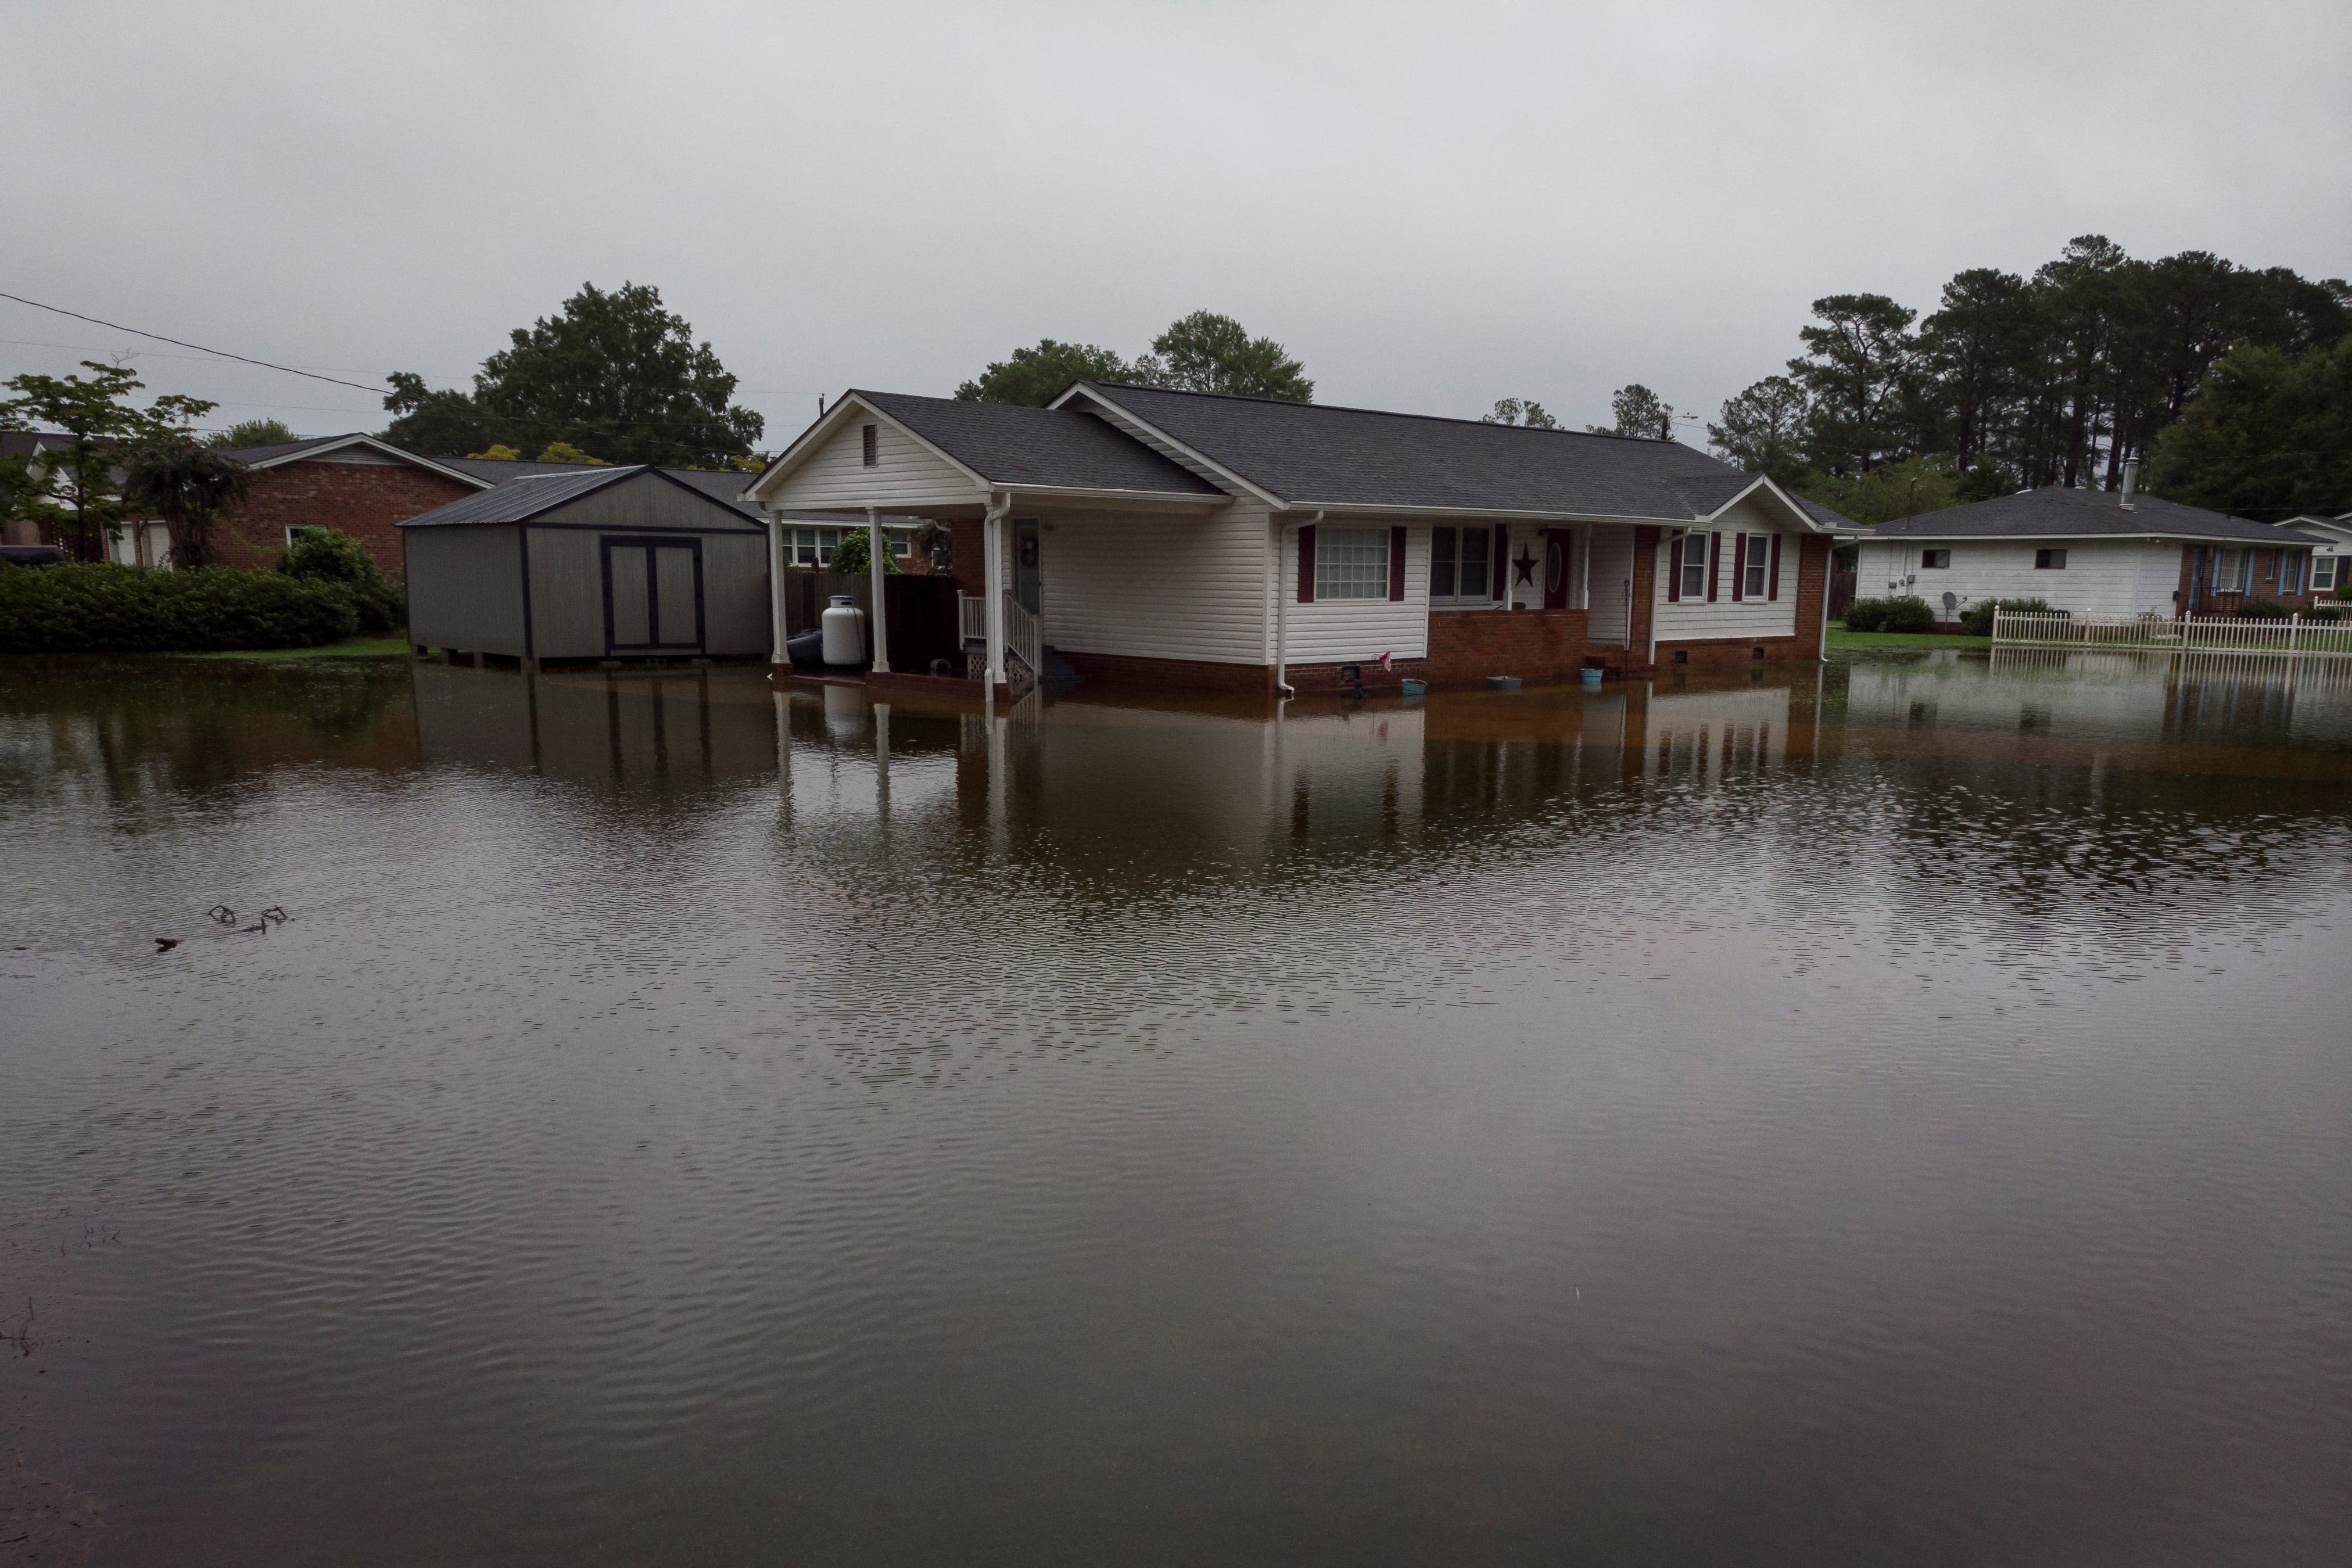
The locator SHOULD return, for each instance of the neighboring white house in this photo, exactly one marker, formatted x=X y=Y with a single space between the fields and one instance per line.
x=1249 y=544
x=2093 y=552
x=2331 y=561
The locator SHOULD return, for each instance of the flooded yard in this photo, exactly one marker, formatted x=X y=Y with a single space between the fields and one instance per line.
x=1897 y=1110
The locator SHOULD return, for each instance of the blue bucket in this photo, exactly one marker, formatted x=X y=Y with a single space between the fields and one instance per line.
x=1592 y=680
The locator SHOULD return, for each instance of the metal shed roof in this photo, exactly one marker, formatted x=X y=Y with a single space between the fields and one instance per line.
x=520 y=500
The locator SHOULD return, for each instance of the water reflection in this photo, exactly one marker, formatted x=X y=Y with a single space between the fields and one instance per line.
x=1896 y=1107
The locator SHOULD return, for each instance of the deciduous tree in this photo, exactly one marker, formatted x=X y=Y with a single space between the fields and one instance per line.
x=247 y=433
x=80 y=496
x=1520 y=411
x=189 y=485
x=1036 y=376
x=1208 y=352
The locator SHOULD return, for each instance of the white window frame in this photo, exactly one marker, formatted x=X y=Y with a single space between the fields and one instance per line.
x=1485 y=597
x=2057 y=565
x=2233 y=570
x=1758 y=568
x=1694 y=545
x=2290 y=580
x=296 y=530
x=1351 y=563
x=813 y=547
x=2318 y=560
x=1928 y=563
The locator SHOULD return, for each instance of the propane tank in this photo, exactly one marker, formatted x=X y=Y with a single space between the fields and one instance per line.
x=844 y=631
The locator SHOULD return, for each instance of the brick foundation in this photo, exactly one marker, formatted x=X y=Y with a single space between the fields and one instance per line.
x=1186 y=674
x=1542 y=647
x=364 y=500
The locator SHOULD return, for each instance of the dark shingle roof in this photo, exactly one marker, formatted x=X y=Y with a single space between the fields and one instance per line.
x=1061 y=448
x=2057 y=512
x=282 y=448
x=527 y=498
x=1318 y=454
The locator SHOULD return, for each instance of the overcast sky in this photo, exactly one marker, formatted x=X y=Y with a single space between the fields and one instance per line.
x=1433 y=206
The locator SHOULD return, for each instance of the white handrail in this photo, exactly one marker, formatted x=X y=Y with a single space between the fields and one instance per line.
x=1021 y=638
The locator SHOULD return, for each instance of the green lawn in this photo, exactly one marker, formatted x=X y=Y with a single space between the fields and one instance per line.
x=1841 y=638
x=348 y=648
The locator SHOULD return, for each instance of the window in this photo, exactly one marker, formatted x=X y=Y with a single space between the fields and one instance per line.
x=1759 y=551
x=296 y=530
x=1457 y=562
x=872 y=446
x=811 y=546
x=2291 y=572
x=1694 y=566
x=2322 y=574
x=1934 y=561
x=2049 y=560
x=902 y=542
x=2233 y=570
x=1352 y=563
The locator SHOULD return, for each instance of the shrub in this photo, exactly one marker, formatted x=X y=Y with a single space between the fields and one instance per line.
x=104 y=609
x=1977 y=621
x=2263 y=610
x=2323 y=612
x=1908 y=613
x=850 y=555
x=323 y=555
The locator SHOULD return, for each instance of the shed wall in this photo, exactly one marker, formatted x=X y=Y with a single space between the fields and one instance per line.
x=464 y=589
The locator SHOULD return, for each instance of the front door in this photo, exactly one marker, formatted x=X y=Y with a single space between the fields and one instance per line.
x=1025 y=580
x=1555 y=568
x=653 y=595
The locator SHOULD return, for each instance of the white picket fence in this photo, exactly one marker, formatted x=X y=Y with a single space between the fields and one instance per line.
x=2042 y=628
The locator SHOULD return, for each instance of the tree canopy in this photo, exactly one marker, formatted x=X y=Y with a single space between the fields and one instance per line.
x=247 y=433
x=74 y=489
x=2269 y=434
x=2013 y=380
x=613 y=374
x=1202 y=352
x=1524 y=412
x=1638 y=412
x=189 y=485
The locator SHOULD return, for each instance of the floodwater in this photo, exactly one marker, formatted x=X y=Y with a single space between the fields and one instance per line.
x=1899 y=1110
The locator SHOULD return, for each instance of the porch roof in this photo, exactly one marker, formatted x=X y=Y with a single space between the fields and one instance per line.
x=1038 y=449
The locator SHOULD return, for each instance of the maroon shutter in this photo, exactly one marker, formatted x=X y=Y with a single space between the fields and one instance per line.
x=1772 y=581
x=1714 y=565
x=1306 y=564
x=1501 y=561
x=1674 y=574
x=1738 y=568
x=1396 y=565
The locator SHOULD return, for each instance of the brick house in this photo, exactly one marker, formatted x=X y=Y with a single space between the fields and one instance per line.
x=358 y=485
x=1248 y=545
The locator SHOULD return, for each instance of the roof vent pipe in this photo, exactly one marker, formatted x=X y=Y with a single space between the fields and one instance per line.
x=2131 y=480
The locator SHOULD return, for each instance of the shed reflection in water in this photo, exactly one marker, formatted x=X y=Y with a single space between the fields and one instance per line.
x=1894 y=1109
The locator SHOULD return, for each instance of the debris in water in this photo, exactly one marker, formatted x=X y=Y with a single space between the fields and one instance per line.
x=165 y=943
x=223 y=912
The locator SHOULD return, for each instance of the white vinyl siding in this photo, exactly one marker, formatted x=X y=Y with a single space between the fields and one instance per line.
x=2103 y=577
x=1152 y=586
x=1339 y=631
x=905 y=474
x=1695 y=619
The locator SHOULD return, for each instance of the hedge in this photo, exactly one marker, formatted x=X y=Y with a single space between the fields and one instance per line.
x=1977 y=621
x=1908 y=613
x=326 y=555
x=107 y=609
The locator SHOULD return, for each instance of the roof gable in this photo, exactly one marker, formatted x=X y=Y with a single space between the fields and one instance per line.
x=319 y=447
x=520 y=500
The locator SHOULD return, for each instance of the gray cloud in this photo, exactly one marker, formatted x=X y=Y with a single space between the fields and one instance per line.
x=1433 y=206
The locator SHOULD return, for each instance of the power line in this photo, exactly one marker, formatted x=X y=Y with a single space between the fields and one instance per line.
x=221 y=353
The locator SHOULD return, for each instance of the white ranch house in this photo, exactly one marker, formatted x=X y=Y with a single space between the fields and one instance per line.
x=1250 y=545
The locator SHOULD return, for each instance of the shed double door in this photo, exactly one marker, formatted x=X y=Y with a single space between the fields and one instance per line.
x=653 y=595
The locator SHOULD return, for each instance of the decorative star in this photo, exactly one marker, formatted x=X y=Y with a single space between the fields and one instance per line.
x=1526 y=565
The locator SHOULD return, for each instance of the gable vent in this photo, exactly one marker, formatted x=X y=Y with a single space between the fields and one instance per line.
x=872 y=448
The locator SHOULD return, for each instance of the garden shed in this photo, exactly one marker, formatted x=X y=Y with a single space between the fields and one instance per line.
x=604 y=564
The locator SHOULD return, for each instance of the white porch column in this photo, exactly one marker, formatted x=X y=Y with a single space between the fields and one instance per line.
x=776 y=586
x=992 y=581
x=1584 y=566
x=873 y=548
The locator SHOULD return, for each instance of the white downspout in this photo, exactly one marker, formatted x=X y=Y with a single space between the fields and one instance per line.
x=1657 y=551
x=873 y=548
x=1281 y=687
x=776 y=587
x=1829 y=571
